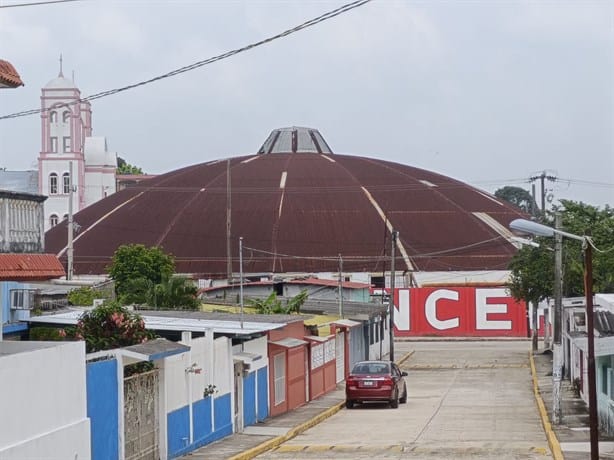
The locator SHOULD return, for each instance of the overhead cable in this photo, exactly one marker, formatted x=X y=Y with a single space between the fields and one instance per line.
x=324 y=17
x=17 y=5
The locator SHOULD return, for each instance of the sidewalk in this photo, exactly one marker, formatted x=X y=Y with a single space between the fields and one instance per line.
x=264 y=436
x=572 y=436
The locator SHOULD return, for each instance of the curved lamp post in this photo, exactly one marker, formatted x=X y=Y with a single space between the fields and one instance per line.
x=527 y=226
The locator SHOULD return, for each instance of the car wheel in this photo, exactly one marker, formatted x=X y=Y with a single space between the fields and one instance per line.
x=394 y=402
x=403 y=399
x=349 y=403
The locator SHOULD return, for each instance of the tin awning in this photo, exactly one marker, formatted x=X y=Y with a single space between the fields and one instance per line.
x=289 y=342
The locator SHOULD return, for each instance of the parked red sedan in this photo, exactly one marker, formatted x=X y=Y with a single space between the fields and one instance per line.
x=375 y=381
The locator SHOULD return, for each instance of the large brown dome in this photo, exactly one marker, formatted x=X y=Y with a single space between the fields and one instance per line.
x=298 y=207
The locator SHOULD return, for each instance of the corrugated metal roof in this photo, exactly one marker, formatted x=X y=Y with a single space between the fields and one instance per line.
x=20 y=181
x=173 y=323
x=326 y=208
x=30 y=267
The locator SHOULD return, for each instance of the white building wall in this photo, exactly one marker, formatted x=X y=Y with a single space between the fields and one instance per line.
x=213 y=361
x=257 y=346
x=43 y=395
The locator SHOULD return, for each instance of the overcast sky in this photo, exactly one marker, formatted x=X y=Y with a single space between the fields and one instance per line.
x=487 y=92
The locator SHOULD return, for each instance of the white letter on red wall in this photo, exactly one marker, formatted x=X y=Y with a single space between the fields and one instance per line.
x=430 y=309
x=483 y=308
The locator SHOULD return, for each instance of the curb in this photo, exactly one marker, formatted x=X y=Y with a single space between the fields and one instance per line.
x=273 y=443
x=553 y=442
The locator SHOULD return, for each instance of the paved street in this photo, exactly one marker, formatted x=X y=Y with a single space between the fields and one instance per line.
x=466 y=400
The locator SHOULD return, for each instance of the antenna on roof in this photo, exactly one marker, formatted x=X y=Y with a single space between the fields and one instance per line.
x=61 y=74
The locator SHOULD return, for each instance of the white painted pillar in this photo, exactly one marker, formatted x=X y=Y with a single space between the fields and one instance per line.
x=186 y=338
x=120 y=405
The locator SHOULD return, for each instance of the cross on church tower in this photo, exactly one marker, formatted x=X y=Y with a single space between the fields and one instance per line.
x=61 y=74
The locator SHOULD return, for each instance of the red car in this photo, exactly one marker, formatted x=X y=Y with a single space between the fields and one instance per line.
x=375 y=381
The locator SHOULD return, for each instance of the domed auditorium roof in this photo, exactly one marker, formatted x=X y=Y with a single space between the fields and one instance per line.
x=298 y=208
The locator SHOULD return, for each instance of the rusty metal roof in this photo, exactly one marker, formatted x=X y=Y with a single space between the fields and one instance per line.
x=298 y=212
x=30 y=267
x=9 y=78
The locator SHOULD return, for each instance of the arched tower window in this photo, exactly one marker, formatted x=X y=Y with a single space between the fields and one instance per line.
x=53 y=220
x=66 y=116
x=53 y=184
x=66 y=183
x=53 y=116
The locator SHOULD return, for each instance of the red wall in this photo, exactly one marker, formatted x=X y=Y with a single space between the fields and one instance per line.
x=296 y=377
x=458 y=311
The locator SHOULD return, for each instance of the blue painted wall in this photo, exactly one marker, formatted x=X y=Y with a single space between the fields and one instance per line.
x=222 y=416
x=203 y=423
x=249 y=399
x=178 y=432
x=102 y=404
x=178 y=425
x=263 y=394
x=5 y=298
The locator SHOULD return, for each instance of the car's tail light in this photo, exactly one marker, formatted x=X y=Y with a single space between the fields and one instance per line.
x=387 y=383
x=351 y=382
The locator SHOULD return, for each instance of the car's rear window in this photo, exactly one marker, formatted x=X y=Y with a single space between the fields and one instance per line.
x=371 y=368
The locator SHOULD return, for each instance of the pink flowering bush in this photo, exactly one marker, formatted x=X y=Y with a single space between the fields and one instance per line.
x=110 y=326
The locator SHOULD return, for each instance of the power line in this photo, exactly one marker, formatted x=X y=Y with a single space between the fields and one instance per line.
x=16 y=5
x=324 y=17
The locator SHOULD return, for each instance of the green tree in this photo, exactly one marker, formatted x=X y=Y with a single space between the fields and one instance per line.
x=126 y=168
x=136 y=264
x=176 y=292
x=83 y=296
x=532 y=269
x=518 y=197
x=272 y=305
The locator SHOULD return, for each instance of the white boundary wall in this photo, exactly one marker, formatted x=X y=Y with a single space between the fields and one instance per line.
x=43 y=400
x=211 y=357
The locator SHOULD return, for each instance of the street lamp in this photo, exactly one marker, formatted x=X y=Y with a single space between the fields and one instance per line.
x=527 y=226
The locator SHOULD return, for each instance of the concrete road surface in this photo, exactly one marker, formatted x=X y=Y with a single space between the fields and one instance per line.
x=467 y=400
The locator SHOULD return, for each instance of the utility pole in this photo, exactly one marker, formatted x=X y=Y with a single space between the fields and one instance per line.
x=241 y=278
x=593 y=419
x=542 y=177
x=340 y=286
x=557 y=355
x=391 y=297
x=228 y=222
x=69 y=252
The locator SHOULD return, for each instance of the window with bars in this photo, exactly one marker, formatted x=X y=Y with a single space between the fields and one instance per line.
x=53 y=184
x=66 y=183
x=279 y=370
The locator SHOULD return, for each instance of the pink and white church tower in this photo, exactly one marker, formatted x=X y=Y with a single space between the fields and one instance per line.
x=67 y=143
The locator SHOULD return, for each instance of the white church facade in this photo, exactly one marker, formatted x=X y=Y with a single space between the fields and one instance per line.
x=70 y=157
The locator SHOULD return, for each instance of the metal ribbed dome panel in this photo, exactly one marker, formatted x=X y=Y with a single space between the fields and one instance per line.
x=297 y=212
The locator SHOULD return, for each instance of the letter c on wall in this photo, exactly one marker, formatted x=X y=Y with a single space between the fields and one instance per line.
x=430 y=309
